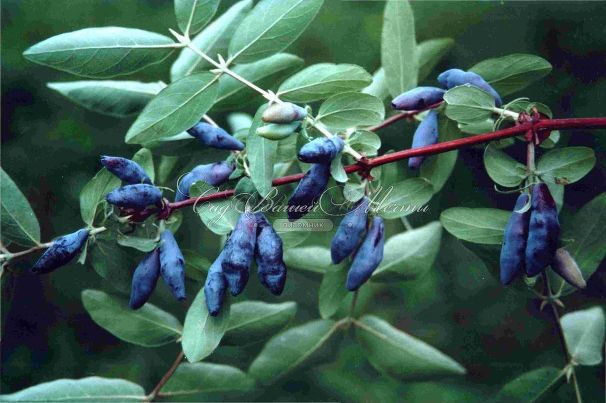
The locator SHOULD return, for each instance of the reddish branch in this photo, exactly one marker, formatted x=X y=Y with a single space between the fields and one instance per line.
x=365 y=165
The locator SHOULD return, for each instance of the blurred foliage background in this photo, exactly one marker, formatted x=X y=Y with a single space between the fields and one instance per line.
x=50 y=147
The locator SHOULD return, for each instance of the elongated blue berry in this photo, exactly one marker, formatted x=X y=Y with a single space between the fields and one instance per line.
x=566 y=267
x=425 y=135
x=368 y=257
x=455 y=77
x=269 y=256
x=321 y=150
x=418 y=98
x=61 y=252
x=215 y=286
x=308 y=191
x=239 y=253
x=135 y=196
x=127 y=170
x=543 y=230
x=215 y=137
x=172 y=264
x=350 y=231
x=284 y=112
x=214 y=174
x=513 y=251
x=144 y=280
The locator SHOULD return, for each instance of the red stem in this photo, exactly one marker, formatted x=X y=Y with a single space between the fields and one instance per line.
x=367 y=164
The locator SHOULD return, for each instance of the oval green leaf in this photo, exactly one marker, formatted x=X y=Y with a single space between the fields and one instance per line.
x=584 y=334
x=19 y=223
x=252 y=321
x=261 y=154
x=429 y=54
x=477 y=225
x=351 y=109
x=503 y=169
x=216 y=380
x=531 y=386
x=403 y=198
x=309 y=258
x=468 y=104
x=94 y=192
x=193 y=15
x=332 y=291
x=566 y=165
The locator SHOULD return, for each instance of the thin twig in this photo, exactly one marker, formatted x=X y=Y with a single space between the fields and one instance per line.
x=154 y=393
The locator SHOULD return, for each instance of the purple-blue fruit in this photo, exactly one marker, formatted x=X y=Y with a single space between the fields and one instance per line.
x=350 y=231
x=543 y=230
x=321 y=150
x=418 y=98
x=135 y=196
x=172 y=264
x=368 y=257
x=215 y=137
x=61 y=252
x=215 y=286
x=565 y=266
x=513 y=251
x=145 y=279
x=425 y=135
x=455 y=77
x=269 y=257
x=214 y=174
x=127 y=170
x=239 y=252
x=308 y=191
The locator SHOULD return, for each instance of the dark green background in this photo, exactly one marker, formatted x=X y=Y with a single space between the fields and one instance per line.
x=50 y=147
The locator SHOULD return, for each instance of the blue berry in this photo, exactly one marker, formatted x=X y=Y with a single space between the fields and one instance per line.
x=418 y=98
x=514 y=242
x=135 y=196
x=425 y=135
x=214 y=174
x=144 y=280
x=308 y=191
x=61 y=252
x=172 y=264
x=543 y=230
x=215 y=137
x=455 y=77
x=350 y=231
x=269 y=256
x=127 y=170
x=215 y=286
x=321 y=150
x=239 y=252
x=368 y=257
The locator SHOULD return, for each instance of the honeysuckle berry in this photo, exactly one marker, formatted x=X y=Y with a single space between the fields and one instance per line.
x=269 y=256
x=543 y=230
x=418 y=98
x=144 y=279
x=425 y=135
x=565 y=266
x=127 y=170
x=215 y=137
x=172 y=264
x=308 y=191
x=513 y=251
x=455 y=77
x=276 y=131
x=368 y=257
x=239 y=252
x=61 y=252
x=135 y=196
x=321 y=150
x=214 y=174
x=350 y=231
x=284 y=112
x=215 y=286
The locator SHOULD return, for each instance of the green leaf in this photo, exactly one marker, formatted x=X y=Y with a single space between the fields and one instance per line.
x=93 y=389
x=19 y=223
x=332 y=291
x=480 y=127
x=512 y=73
x=467 y=104
x=207 y=378
x=566 y=165
x=213 y=40
x=410 y=254
x=113 y=263
x=378 y=87
x=94 y=193
x=353 y=191
x=365 y=142
x=148 y=326
x=322 y=80
x=503 y=169
x=139 y=243
x=219 y=216
x=337 y=171
x=429 y=54
x=438 y=168
x=351 y=109
x=403 y=198
x=261 y=153
x=310 y=258
x=175 y=109
x=478 y=225
x=145 y=158
x=193 y=15
x=399 y=47
x=265 y=73
x=101 y=52
x=531 y=386
x=584 y=233
x=397 y=354
x=113 y=98
x=252 y=321
x=196 y=265
x=202 y=333
x=291 y=349
x=270 y=27
x=584 y=334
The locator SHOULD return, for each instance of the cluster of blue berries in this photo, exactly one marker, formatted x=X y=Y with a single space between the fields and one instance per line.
x=138 y=192
x=424 y=97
